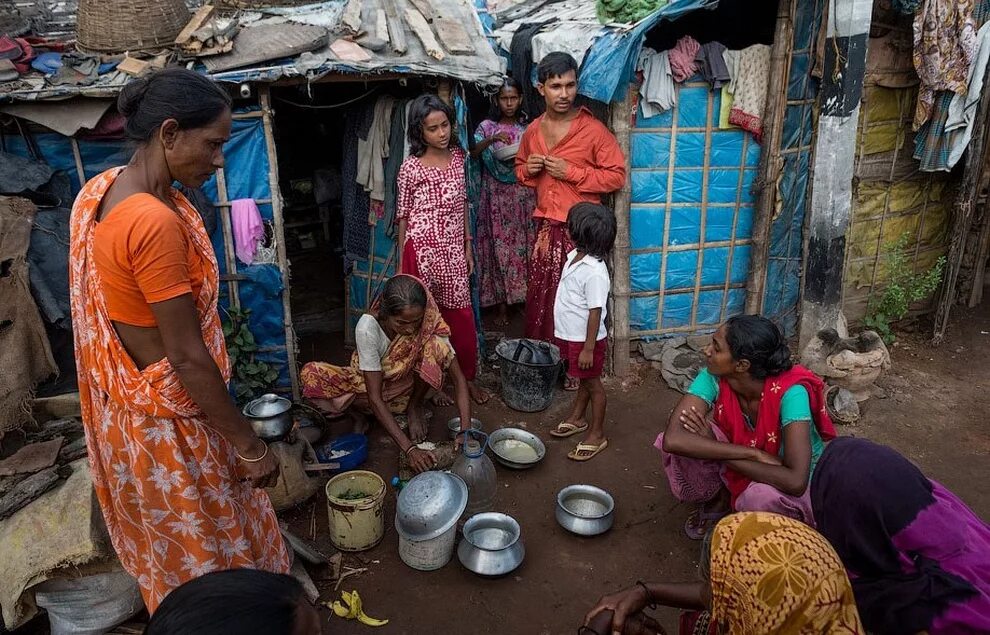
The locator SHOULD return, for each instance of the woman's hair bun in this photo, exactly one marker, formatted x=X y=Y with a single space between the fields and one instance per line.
x=130 y=97
x=759 y=341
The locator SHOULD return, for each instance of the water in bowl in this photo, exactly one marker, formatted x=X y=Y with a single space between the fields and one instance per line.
x=516 y=451
x=491 y=538
x=585 y=507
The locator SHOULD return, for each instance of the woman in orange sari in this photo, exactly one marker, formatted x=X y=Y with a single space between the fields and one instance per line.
x=175 y=465
x=403 y=350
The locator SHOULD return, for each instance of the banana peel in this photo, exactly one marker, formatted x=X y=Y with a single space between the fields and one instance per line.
x=351 y=609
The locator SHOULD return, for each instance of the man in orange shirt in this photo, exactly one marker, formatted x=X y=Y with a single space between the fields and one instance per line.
x=569 y=157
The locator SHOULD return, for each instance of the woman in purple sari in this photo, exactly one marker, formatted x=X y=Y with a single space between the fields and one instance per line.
x=917 y=556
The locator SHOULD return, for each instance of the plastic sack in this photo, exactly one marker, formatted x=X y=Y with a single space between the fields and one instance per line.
x=91 y=605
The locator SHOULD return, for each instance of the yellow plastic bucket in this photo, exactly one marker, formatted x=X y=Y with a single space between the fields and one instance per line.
x=356 y=524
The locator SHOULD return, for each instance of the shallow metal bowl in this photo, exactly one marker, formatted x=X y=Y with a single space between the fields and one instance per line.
x=491 y=544
x=430 y=504
x=585 y=510
x=497 y=439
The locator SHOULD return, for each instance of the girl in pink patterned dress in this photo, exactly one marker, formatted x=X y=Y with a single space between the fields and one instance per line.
x=434 y=234
x=505 y=233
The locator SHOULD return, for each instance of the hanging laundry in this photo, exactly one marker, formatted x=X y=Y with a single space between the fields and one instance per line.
x=963 y=108
x=944 y=44
x=355 y=202
x=682 y=58
x=657 y=92
x=249 y=229
x=749 y=85
x=573 y=38
x=626 y=11
x=397 y=152
x=711 y=64
x=373 y=150
x=731 y=60
x=521 y=65
x=906 y=7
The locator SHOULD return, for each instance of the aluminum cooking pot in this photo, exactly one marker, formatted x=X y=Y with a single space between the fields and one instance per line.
x=270 y=417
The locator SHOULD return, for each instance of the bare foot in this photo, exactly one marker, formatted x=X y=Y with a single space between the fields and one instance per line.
x=417 y=424
x=442 y=399
x=478 y=394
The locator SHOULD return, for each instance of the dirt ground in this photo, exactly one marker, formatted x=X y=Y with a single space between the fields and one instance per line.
x=934 y=410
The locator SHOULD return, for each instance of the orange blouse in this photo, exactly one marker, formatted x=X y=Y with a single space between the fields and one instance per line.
x=143 y=254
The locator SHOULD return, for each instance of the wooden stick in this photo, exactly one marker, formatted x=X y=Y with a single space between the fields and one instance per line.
x=80 y=171
x=352 y=16
x=621 y=115
x=983 y=244
x=771 y=162
x=230 y=255
x=264 y=98
x=424 y=7
x=702 y=222
x=199 y=19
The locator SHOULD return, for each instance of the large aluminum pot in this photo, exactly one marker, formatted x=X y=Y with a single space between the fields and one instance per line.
x=491 y=544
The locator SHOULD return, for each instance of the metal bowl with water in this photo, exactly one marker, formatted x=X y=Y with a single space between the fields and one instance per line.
x=585 y=510
x=516 y=448
x=454 y=426
x=491 y=545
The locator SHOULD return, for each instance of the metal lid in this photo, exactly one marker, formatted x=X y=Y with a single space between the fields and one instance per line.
x=269 y=405
x=430 y=504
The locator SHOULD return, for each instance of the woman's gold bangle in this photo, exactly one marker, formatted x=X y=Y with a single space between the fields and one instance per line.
x=260 y=458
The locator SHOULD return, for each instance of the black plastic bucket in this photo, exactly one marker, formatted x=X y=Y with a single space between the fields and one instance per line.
x=529 y=373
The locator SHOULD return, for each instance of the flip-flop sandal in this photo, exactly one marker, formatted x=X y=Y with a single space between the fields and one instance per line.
x=565 y=429
x=571 y=384
x=699 y=523
x=586 y=451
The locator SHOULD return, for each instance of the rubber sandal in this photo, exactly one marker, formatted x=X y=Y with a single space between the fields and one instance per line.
x=581 y=452
x=699 y=523
x=571 y=384
x=566 y=429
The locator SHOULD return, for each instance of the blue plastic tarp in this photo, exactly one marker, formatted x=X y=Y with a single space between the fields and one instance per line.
x=610 y=63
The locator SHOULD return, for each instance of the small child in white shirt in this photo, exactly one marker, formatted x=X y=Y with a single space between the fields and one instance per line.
x=579 y=312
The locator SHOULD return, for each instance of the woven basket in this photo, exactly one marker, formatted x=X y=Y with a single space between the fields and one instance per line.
x=12 y=23
x=114 y=26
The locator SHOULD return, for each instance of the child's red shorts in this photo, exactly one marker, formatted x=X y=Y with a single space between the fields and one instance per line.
x=569 y=352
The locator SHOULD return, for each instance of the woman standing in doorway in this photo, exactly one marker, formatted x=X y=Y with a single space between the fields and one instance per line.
x=176 y=468
x=434 y=234
x=505 y=223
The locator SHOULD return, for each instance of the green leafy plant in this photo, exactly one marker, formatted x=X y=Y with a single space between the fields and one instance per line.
x=250 y=376
x=905 y=287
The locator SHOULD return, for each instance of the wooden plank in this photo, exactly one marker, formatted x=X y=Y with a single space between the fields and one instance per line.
x=27 y=490
x=31 y=458
x=352 y=16
x=381 y=25
x=425 y=8
x=199 y=18
x=422 y=29
x=396 y=29
x=454 y=36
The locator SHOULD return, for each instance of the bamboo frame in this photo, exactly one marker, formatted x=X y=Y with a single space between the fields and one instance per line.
x=620 y=120
x=77 y=156
x=732 y=236
x=264 y=99
x=771 y=159
x=703 y=221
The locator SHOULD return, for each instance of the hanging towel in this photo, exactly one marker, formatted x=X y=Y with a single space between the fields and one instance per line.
x=725 y=109
x=711 y=64
x=397 y=153
x=248 y=227
x=373 y=150
x=749 y=87
x=657 y=90
x=944 y=44
x=682 y=58
x=963 y=108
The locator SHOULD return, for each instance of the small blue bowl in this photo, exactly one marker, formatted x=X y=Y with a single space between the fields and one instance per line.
x=355 y=446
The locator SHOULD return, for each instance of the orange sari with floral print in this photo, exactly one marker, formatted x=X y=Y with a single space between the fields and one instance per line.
x=166 y=481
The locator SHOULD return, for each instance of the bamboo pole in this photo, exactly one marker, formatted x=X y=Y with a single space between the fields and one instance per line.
x=229 y=254
x=265 y=100
x=974 y=175
x=771 y=162
x=621 y=115
x=79 y=163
